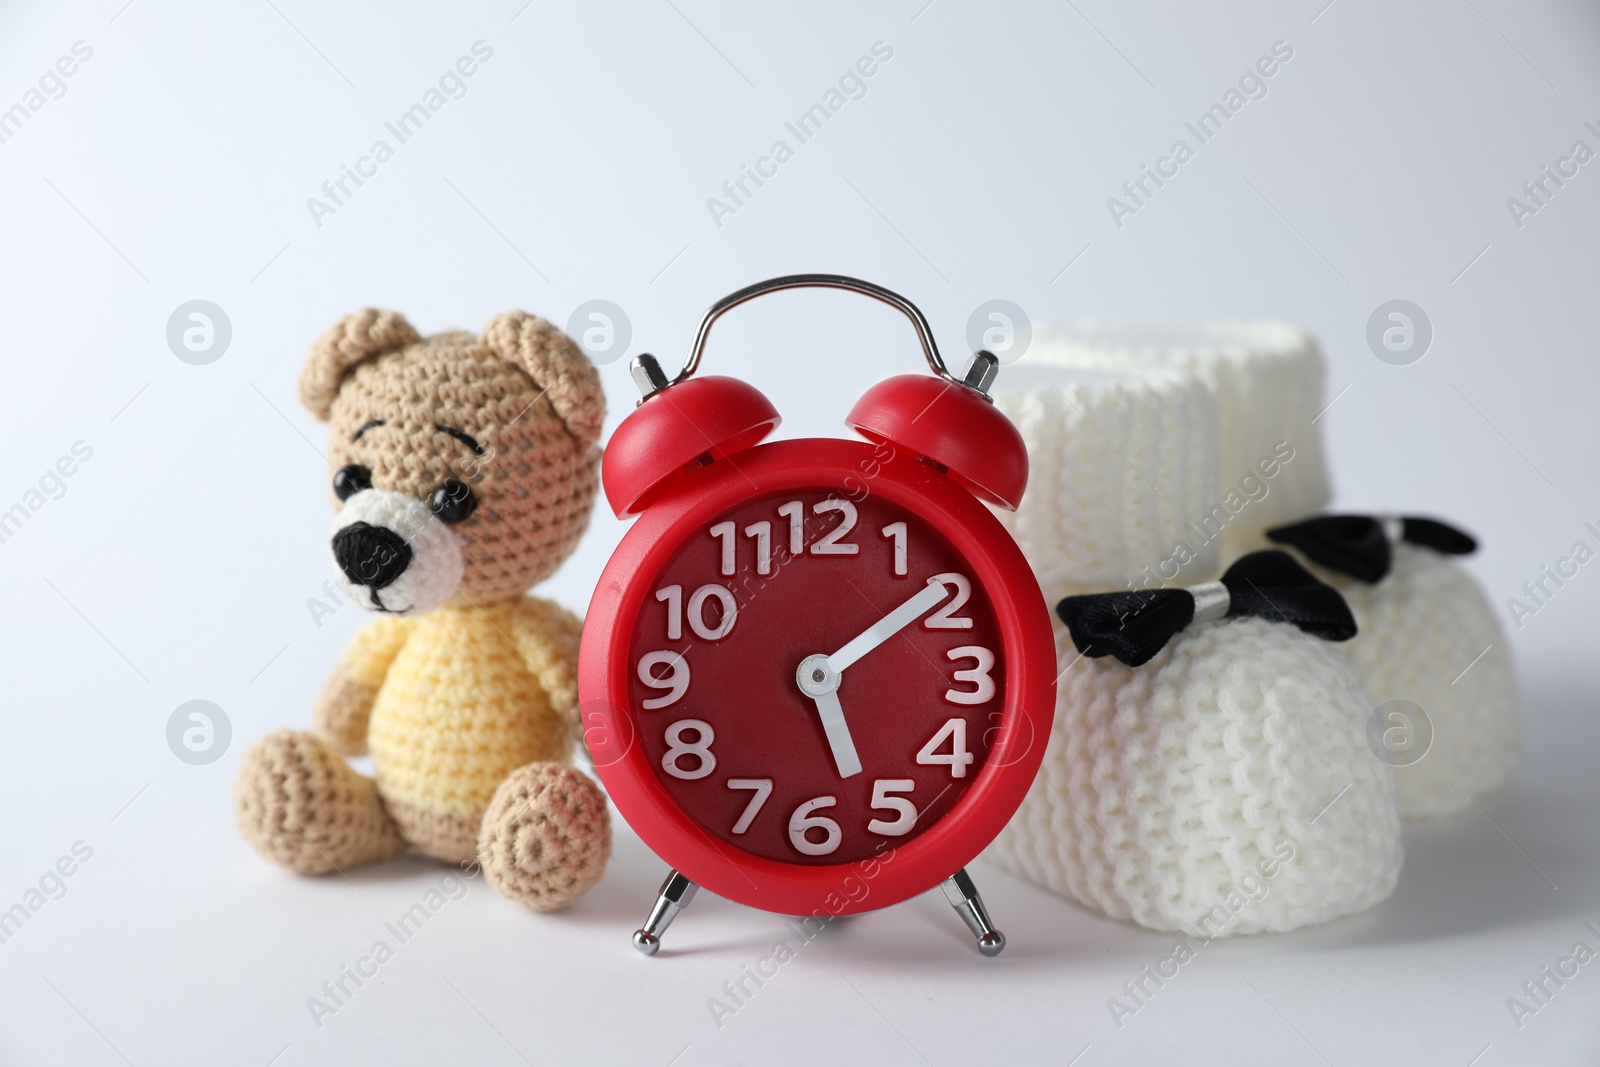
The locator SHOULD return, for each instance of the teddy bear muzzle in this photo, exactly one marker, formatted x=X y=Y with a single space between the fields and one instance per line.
x=393 y=554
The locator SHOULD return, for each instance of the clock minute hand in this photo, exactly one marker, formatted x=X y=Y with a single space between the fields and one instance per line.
x=889 y=625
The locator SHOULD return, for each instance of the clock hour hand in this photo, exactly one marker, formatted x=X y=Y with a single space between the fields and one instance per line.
x=820 y=682
x=889 y=625
x=838 y=733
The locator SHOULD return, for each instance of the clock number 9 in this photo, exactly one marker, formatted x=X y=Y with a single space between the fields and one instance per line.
x=700 y=748
x=675 y=681
x=672 y=596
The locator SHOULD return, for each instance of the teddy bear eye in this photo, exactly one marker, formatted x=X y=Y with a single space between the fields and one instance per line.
x=453 y=502
x=350 y=480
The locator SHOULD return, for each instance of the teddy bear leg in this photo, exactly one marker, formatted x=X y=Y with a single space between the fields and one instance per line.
x=302 y=806
x=546 y=836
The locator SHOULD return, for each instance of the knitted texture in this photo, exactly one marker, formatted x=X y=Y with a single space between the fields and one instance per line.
x=452 y=700
x=1267 y=378
x=1422 y=630
x=300 y=805
x=342 y=712
x=1225 y=787
x=546 y=836
x=437 y=563
x=1119 y=463
x=535 y=479
x=352 y=340
x=460 y=708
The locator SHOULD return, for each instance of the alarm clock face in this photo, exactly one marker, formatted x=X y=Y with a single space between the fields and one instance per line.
x=814 y=677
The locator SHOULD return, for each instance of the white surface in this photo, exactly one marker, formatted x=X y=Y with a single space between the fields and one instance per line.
x=179 y=562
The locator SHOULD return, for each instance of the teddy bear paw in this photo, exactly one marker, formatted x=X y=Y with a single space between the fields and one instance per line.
x=546 y=836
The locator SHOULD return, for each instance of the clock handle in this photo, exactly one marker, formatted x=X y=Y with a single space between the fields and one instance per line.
x=651 y=379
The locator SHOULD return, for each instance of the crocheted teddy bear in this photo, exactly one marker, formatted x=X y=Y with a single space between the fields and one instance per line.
x=465 y=469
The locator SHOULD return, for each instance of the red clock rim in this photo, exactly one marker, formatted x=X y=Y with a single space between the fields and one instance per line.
x=975 y=819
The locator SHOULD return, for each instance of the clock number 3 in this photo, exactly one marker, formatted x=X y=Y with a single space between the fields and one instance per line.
x=700 y=749
x=978 y=676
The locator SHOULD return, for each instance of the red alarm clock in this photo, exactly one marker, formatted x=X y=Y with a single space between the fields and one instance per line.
x=817 y=676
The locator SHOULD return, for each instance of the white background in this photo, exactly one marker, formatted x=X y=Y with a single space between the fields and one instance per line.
x=179 y=562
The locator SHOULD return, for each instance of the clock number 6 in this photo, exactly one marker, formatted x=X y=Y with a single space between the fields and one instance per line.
x=802 y=820
x=700 y=748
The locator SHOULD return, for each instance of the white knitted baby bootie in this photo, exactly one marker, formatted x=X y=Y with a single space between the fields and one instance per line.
x=1120 y=460
x=1430 y=651
x=1217 y=780
x=1266 y=378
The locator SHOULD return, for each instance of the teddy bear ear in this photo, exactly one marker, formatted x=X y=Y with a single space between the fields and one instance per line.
x=556 y=364
x=352 y=340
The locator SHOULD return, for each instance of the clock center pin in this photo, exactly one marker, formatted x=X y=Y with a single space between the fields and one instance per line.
x=816 y=676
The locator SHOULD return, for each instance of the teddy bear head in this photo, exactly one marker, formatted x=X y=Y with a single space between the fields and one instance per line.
x=464 y=468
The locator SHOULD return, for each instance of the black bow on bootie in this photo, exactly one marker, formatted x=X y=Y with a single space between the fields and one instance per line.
x=1362 y=546
x=1133 y=626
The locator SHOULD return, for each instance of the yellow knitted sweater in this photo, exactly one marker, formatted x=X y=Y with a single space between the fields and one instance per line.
x=466 y=696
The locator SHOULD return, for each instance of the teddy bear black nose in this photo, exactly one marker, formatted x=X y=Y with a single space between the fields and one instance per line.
x=371 y=555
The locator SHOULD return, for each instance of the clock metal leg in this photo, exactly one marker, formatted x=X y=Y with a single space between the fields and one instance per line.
x=676 y=893
x=963 y=896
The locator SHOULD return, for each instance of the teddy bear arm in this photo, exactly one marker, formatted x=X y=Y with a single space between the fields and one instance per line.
x=342 y=712
x=547 y=636
x=345 y=706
